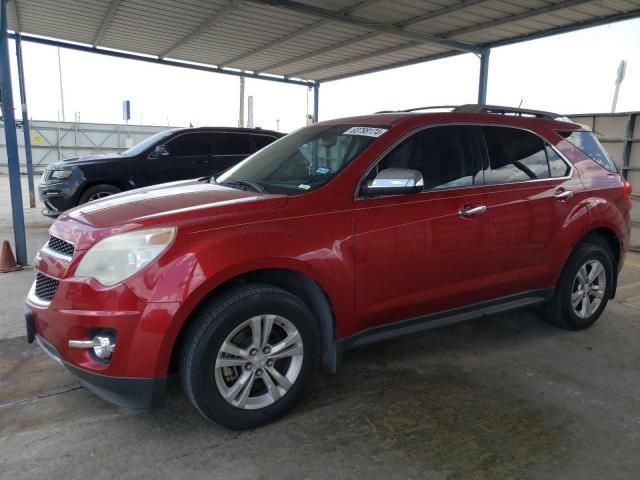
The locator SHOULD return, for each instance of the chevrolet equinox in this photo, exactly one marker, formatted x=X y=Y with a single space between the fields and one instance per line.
x=342 y=233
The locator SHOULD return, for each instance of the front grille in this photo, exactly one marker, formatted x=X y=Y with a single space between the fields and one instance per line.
x=45 y=287
x=45 y=176
x=60 y=246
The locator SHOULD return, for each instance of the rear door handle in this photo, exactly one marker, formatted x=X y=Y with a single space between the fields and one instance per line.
x=471 y=211
x=563 y=194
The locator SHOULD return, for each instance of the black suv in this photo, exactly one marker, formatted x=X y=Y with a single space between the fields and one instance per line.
x=177 y=154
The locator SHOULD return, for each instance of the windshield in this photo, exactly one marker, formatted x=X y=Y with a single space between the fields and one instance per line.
x=303 y=160
x=147 y=143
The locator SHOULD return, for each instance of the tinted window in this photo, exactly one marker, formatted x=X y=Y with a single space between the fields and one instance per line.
x=442 y=154
x=557 y=166
x=232 y=144
x=515 y=155
x=590 y=146
x=262 y=141
x=190 y=144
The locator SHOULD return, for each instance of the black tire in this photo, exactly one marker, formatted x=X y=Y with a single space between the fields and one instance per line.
x=211 y=328
x=560 y=311
x=104 y=189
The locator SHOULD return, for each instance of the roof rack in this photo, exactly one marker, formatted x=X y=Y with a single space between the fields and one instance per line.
x=432 y=107
x=477 y=108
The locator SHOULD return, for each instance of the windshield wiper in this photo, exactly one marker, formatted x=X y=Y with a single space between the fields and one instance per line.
x=245 y=183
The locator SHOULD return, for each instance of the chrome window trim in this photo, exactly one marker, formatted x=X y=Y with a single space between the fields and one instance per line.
x=388 y=150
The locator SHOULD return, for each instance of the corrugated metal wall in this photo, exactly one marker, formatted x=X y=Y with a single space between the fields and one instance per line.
x=620 y=135
x=55 y=141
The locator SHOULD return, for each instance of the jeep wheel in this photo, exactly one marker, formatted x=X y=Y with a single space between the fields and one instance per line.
x=97 y=192
x=584 y=288
x=249 y=356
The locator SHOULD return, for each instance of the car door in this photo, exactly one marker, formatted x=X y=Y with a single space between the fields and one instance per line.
x=188 y=156
x=424 y=252
x=532 y=192
x=229 y=148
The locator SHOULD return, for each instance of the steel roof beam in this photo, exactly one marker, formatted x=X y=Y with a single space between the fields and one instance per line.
x=517 y=17
x=368 y=25
x=111 y=11
x=492 y=23
x=500 y=43
x=159 y=61
x=361 y=38
x=218 y=16
x=297 y=33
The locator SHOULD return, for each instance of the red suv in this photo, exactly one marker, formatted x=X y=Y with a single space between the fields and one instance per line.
x=343 y=233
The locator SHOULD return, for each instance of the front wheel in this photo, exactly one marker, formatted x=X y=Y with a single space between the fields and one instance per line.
x=250 y=356
x=97 y=192
x=584 y=288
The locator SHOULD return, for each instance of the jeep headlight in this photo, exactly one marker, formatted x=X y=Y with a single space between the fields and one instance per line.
x=61 y=174
x=113 y=259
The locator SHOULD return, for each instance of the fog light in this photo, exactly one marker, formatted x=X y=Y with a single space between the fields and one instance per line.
x=102 y=346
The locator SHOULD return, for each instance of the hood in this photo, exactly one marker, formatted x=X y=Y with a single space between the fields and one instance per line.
x=171 y=202
x=69 y=162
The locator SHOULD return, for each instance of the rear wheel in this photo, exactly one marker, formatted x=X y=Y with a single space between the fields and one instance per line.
x=97 y=192
x=584 y=288
x=250 y=356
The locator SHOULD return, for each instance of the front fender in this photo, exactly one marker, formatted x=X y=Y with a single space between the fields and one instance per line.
x=320 y=247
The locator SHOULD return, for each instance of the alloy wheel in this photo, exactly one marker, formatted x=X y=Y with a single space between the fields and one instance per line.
x=588 y=290
x=259 y=362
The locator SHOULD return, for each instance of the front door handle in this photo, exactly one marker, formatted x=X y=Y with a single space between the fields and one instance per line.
x=471 y=211
x=563 y=194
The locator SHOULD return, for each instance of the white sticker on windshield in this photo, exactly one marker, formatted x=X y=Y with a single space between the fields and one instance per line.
x=304 y=186
x=366 y=131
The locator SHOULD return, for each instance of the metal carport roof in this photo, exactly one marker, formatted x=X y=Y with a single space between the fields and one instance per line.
x=303 y=42
x=307 y=39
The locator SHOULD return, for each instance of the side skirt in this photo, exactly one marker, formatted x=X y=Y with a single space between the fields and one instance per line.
x=448 y=317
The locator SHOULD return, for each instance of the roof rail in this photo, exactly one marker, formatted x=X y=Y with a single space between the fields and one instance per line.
x=432 y=107
x=476 y=108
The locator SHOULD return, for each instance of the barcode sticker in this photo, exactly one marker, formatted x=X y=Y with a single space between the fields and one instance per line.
x=366 y=131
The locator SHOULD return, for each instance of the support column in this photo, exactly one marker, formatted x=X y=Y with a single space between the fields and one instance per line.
x=316 y=102
x=484 y=77
x=11 y=139
x=25 y=122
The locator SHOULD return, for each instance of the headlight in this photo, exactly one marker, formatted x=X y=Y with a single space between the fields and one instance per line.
x=61 y=174
x=116 y=258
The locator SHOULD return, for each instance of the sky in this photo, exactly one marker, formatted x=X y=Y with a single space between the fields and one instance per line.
x=569 y=73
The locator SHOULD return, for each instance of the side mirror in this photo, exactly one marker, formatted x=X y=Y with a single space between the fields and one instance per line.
x=394 y=181
x=160 y=151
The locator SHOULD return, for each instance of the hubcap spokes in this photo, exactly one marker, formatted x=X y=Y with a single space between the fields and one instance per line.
x=259 y=362
x=99 y=195
x=588 y=288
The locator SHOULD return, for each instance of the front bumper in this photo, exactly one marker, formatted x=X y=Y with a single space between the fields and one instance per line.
x=121 y=391
x=135 y=376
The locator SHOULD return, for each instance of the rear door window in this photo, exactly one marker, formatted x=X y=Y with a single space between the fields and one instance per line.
x=232 y=144
x=518 y=156
x=591 y=147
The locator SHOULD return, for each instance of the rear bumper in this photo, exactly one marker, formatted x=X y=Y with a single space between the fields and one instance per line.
x=122 y=391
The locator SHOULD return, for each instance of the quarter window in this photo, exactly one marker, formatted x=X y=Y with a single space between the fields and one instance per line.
x=517 y=156
x=591 y=147
x=442 y=155
x=232 y=144
x=262 y=141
